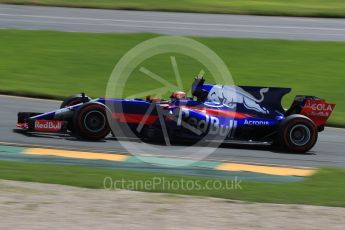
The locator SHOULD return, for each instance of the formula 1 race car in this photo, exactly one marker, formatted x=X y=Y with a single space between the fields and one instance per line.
x=225 y=113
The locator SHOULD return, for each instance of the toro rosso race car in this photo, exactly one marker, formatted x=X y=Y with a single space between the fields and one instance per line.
x=225 y=113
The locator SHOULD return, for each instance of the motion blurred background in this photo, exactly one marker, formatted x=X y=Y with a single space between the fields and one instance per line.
x=51 y=52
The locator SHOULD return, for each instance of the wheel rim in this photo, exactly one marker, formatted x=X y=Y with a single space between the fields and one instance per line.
x=300 y=135
x=94 y=121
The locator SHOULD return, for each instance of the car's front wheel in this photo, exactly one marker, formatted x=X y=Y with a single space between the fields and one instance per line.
x=91 y=121
x=297 y=133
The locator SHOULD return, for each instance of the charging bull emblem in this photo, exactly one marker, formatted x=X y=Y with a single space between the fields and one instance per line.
x=230 y=96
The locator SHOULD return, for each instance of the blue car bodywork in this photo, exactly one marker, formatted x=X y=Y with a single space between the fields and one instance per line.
x=214 y=112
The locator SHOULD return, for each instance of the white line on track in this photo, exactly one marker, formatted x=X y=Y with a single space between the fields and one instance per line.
x=175 y=28
x=172 y=22
x=27 y=98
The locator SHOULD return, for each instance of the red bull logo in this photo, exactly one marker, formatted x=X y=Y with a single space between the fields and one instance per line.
x=230 y=96
x=48 y=126
x=208 y=125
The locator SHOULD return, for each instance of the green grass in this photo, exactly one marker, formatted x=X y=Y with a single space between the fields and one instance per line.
x=326 y=188
x=314 y=8
x=57 y=64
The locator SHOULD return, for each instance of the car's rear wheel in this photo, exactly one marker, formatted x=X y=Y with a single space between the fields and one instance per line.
x=74 y=100
x=297 y=133
x=90 y=121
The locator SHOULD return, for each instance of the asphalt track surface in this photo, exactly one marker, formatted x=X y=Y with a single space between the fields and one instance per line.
x=329 y=151
x=192 y=24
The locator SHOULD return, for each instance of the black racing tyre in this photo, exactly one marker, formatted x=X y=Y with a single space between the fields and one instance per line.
x=73 y=100
x=297 y=133
x=90 y=121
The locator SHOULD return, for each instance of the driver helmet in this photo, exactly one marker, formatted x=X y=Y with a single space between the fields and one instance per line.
x=178 y=95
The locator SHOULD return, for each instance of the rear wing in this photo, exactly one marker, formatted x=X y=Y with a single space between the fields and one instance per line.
x=317 y=109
